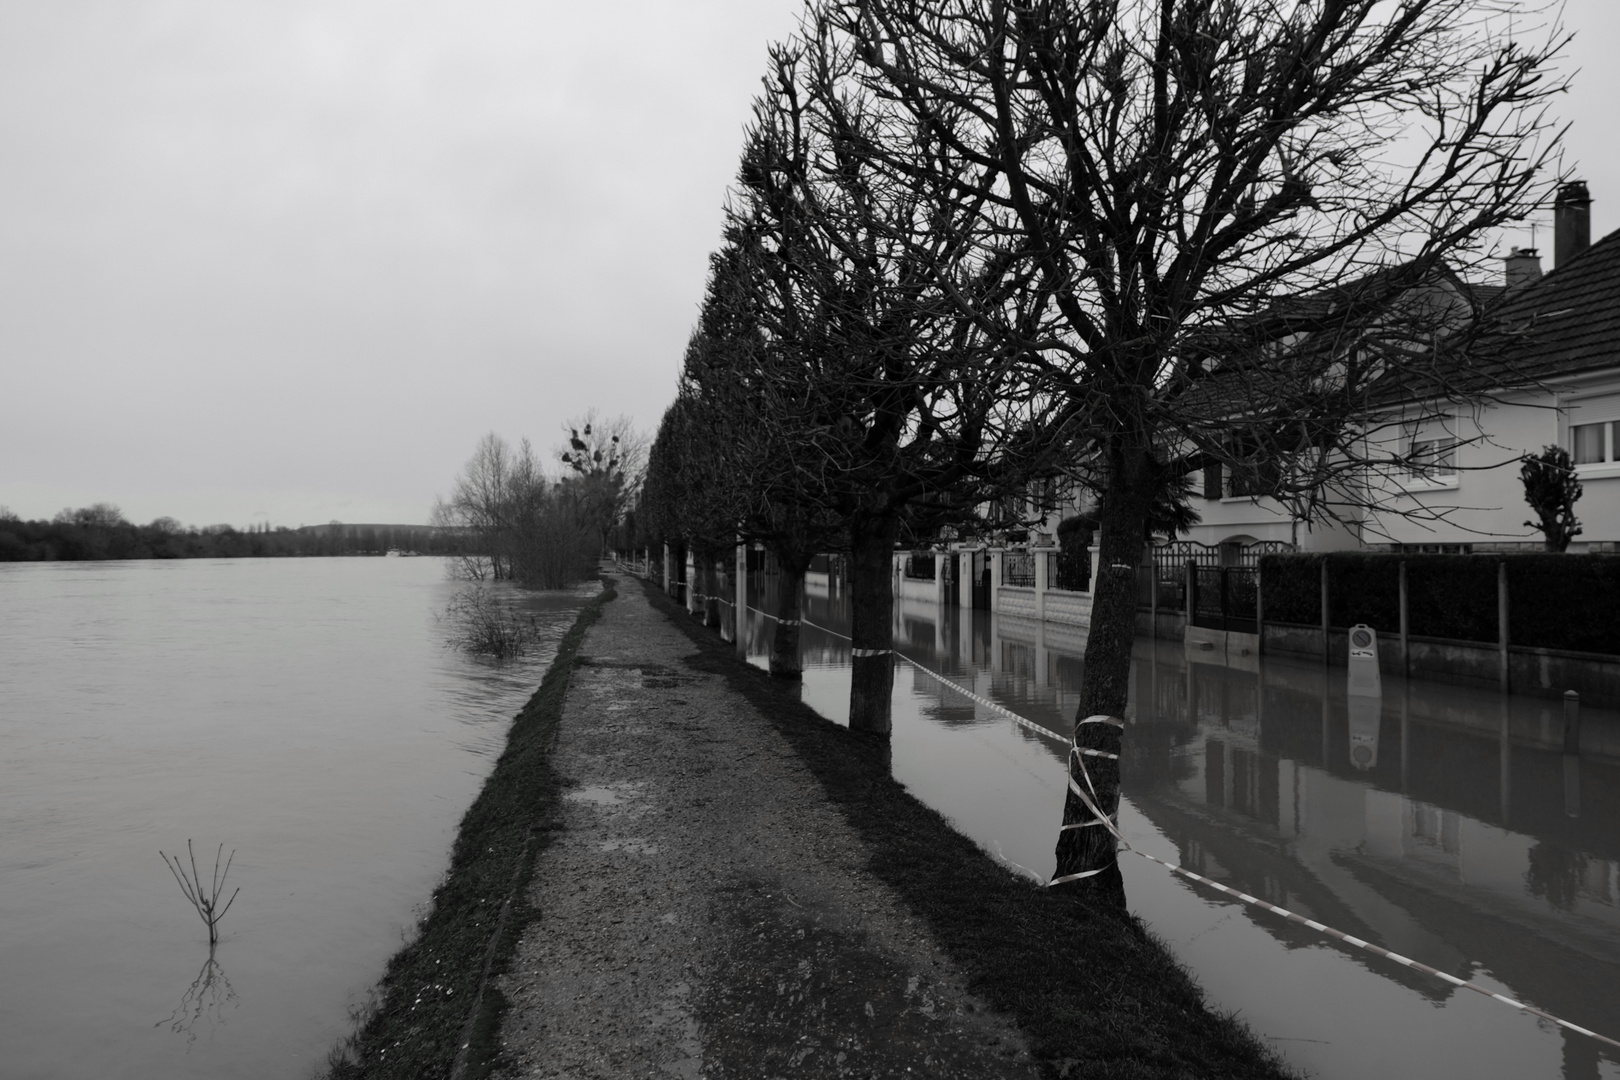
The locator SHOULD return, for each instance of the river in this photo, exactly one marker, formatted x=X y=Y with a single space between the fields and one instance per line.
x=305 y=713
x=1438 y=821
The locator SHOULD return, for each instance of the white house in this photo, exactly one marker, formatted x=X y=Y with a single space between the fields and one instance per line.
x=1562 y=328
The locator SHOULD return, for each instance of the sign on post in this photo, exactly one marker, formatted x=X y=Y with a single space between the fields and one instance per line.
x=1364 y=696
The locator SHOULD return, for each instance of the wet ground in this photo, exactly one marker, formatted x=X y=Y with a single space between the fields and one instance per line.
x=1438 y=821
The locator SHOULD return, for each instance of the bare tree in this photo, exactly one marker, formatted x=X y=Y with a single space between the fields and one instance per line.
x=1173 y=170
x=606 y=461
x=530 y=532
x=477 y=507
x=874 y=402
x=692 y=480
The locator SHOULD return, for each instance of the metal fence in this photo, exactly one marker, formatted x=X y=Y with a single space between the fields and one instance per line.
x=1018 y=568
x=922 y=567
x=1169 y=563
x=1071 y=574
x=1226 y=598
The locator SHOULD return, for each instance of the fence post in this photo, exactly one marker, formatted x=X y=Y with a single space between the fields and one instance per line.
x=1153 y=593
x=1226 y=597
x=1502 y=619
x=1189 y=600
x=995 y=556
x=739 y=612
x=1259 y=613
x=1406 y=643
x=1572 y=722
x=1326 y=651
x=1040 y=560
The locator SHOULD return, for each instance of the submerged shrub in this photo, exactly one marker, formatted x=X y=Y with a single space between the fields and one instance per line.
x=483 y=624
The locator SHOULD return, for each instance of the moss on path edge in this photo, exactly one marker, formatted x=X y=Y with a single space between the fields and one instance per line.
x=436 y=999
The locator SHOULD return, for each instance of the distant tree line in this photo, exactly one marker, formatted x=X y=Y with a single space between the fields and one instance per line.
x=102 y=532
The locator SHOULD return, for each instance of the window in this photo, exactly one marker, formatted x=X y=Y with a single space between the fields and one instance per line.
x=1434 y=458
x=1593 y=444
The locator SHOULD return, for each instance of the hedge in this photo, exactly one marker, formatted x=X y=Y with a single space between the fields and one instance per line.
x=1554 y=601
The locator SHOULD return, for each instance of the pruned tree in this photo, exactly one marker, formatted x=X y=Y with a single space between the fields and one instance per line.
x=1251 y=218
x=1551 y=490
x=689 y=496
x=869 y=396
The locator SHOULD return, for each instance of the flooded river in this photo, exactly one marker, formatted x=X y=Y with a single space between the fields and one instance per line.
x=1441 y=822
x=303 y=712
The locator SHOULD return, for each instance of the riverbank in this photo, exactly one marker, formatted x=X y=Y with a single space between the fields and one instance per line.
x=722 y=883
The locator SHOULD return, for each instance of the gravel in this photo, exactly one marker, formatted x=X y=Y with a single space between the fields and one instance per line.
x=705 y=912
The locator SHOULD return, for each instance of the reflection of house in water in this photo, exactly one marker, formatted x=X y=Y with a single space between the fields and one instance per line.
x=1450 y=844
x=1449 y=838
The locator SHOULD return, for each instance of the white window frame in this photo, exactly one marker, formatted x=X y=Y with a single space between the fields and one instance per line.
x=1611 y=451
x=1436 y=441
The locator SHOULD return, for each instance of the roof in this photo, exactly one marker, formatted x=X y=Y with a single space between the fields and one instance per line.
x=1569 y=320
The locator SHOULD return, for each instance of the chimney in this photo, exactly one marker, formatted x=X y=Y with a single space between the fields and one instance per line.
x=1572 y=222
x=1521 y=266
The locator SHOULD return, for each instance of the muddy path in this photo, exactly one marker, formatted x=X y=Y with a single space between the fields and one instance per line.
x=704 y=910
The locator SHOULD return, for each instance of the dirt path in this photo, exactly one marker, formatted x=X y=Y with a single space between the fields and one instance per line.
x=706 y=912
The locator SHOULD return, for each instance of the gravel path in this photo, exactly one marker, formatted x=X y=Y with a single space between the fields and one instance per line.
x=705 y=912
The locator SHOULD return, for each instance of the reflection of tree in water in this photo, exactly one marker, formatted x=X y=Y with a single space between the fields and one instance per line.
x=204 y=1002
x=1555 y=873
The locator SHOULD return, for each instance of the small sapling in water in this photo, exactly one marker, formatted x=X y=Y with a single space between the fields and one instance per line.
x=205 y=901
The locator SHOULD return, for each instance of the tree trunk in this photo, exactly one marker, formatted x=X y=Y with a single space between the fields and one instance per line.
x=785 y=662
x=1090 y=849
x=711 y=592
x=871 y=621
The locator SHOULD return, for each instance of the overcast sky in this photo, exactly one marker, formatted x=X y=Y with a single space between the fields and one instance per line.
x=288 y=260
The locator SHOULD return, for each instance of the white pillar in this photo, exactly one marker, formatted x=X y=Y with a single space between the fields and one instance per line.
x=1041 y=584
x=739 y=623
x=994 y=555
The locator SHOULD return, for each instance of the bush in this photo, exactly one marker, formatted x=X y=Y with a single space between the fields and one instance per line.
x=482 y=624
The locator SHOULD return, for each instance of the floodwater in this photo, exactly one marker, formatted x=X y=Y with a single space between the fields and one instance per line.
x=1440 y=822
x=306 y=714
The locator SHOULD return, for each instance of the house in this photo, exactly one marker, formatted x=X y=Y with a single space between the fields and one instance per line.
x=1461 y=491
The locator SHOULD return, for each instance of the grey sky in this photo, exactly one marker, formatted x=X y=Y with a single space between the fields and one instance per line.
x=292 y=258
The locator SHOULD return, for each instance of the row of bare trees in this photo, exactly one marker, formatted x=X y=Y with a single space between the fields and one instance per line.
x=535 y=530
x=974 y=242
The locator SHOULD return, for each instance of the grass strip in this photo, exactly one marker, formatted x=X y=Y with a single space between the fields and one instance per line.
x=1098 y=994
x=429 y=997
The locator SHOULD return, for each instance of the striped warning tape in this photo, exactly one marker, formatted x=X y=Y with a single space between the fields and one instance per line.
x=1079 y=754
x=1376 y=950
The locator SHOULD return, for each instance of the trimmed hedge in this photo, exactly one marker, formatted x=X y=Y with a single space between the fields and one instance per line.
x=1290 y=588
x=1550 y=606
x=1555 y=601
